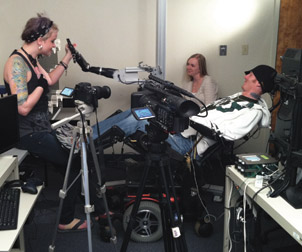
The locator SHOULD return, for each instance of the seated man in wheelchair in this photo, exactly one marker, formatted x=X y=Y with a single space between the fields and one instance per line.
x=230 y=118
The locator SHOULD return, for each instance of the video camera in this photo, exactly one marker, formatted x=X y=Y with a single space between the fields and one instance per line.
x=87 y=93
x=171 y=111
x=288 y=127
x=288 y=85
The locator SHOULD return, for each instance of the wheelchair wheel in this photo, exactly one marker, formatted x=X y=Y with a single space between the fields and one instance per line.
x=147 y=226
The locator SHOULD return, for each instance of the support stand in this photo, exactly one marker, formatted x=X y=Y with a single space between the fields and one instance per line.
x=81 y=132
x=157 y=158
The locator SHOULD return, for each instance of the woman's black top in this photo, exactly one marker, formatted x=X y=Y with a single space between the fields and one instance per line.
x=37 y=119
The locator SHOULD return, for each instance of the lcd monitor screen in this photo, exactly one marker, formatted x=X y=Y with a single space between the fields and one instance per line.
x=9 y=126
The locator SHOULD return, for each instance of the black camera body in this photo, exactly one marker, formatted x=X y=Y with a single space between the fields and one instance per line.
x=288 y=127
x=171 y=110
x=90 y=94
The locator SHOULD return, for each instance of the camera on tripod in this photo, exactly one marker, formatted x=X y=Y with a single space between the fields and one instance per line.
x=87 y=93
x=171 y=110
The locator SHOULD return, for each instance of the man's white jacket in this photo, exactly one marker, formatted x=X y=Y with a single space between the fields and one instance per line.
x=232 y=118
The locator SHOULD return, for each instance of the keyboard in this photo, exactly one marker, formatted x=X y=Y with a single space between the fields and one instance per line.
x=9 y=208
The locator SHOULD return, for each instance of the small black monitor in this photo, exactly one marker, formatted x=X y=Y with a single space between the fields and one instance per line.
x=9 y=126
x=292 y=63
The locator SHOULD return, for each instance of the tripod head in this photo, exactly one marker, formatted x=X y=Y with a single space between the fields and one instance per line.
x=156 y=137
x=155 y=133
x=83 y=109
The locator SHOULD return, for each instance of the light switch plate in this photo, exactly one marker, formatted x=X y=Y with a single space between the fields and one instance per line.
x=222 y=50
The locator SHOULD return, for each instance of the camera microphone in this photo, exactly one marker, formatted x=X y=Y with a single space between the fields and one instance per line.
x=170 y=85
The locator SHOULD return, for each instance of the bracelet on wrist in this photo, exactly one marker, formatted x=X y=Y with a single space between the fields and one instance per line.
x=64 y=65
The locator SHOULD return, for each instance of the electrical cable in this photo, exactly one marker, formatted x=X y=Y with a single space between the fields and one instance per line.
x=197 y=188
x=199 y=196
x=229 y=217
x=244 y=214
x=139 y=82
x=208 y=214
x=268 y=185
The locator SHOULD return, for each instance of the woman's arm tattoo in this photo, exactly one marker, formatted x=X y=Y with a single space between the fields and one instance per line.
x=19 y=77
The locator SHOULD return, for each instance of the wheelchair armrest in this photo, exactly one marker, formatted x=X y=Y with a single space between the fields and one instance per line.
x=205 y=131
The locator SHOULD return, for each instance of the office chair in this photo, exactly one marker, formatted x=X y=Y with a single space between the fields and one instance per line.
x=2 y=90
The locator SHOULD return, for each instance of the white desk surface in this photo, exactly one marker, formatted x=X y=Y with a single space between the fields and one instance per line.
x=16 y=152
x=8 y=237
x=289 y=218
x=27 y=201
x=8 y=168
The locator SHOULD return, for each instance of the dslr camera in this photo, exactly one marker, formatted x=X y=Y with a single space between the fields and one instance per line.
x=87 y=93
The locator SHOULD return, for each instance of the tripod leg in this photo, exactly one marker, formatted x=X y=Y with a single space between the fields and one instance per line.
x=165 y=218
x=174 y=218
x=136 y=206
x=181 y=240
x=169 y=220
x=101 y=189
x=88 y=208
x=63 y=191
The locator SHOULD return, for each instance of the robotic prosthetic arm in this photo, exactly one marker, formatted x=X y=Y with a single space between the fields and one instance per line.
x=129 y=75
x=78 y=58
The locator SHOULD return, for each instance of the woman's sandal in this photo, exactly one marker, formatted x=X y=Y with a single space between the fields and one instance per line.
x=80 y=226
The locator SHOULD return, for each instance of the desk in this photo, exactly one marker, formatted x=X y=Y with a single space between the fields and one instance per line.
x=283 y=213
x=9 y=170
x=21 y=154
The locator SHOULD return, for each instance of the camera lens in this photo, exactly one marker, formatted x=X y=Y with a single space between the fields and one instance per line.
x=102 y=92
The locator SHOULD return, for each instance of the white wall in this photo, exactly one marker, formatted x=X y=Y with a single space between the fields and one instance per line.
x=108 y=33
x=120 y=33
x=201 y=26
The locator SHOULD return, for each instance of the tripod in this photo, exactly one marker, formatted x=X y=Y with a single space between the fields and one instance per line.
x=80 y=132
x=157 y=157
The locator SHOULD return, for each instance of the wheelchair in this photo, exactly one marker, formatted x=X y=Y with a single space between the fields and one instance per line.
x=121 y=191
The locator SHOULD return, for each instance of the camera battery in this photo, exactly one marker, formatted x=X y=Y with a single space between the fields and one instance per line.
x=252 y=164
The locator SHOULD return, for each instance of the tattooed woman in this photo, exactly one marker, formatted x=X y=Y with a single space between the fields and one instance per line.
x=24 y=76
